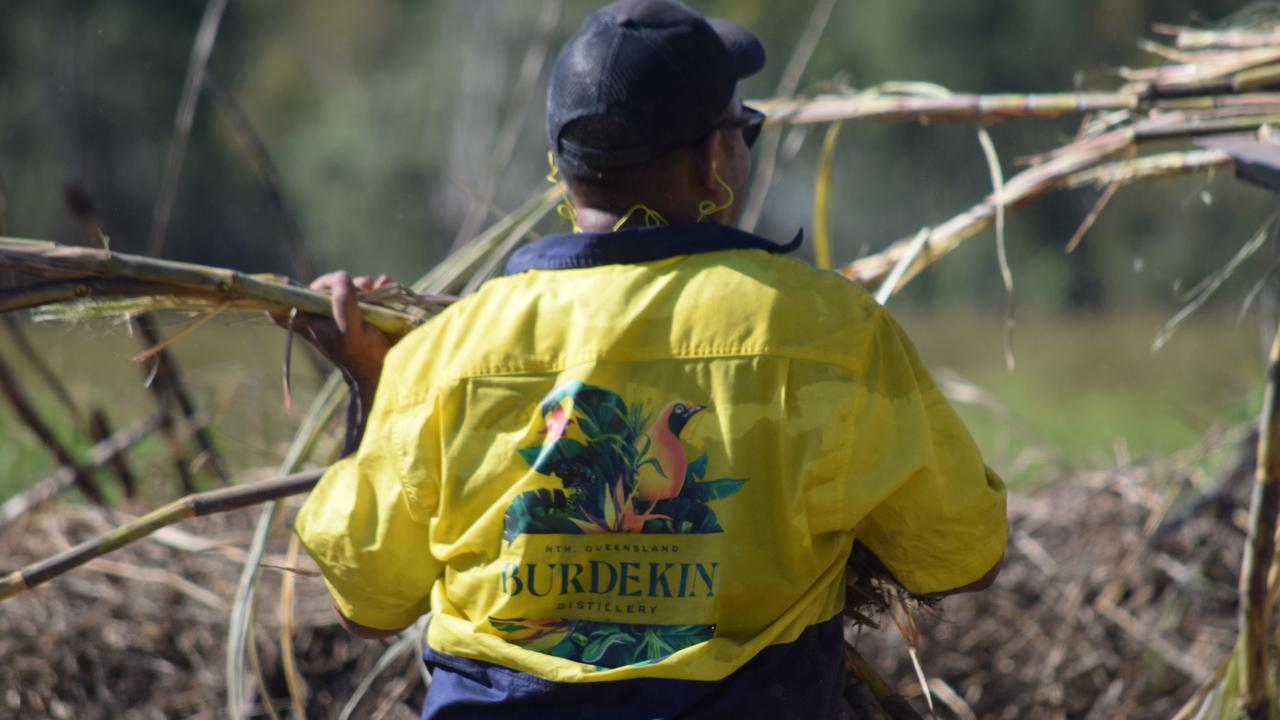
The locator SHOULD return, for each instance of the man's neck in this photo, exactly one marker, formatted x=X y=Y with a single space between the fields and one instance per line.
x=601 y=220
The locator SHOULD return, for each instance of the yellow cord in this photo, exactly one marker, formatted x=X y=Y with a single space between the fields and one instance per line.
x=565 y=209
x=652 y=218
x=709 y=207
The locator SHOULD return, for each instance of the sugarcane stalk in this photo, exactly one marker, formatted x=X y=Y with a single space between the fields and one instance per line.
x=77 y=266
x=1064 y=171
x=163 y=381
x=293 y=679
x=201 y=49
x=874 y=105
x=1234 y=39
x=1200 y=126
x=504 y=142
x=1151 y=167
x=1255 y=612
x=771 y=138
x=178 y=454
x=167 y=385
x=1253 y=78
x=196 y=505
x=12 y=390
x=1214 y=102
x=100 y=431
x=450 y=275
x=35 y=295
x=102 y=452
x=1205 y=68
x=1021 y=188
x=893 y=704
x=265 y=167
x=23 y=344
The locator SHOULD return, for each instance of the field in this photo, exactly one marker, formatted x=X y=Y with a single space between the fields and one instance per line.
x=1088 y=392
x=233 y=367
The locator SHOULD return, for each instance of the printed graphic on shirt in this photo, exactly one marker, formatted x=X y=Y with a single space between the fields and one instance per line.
x=629 y=473
x=603 y=644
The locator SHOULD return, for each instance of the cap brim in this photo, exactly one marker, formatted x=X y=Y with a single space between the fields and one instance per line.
x=744 y=47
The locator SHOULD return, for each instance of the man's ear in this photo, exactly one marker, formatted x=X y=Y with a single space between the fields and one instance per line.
x=704 y=163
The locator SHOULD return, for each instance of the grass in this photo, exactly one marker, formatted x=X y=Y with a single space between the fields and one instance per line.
x=1088 y=390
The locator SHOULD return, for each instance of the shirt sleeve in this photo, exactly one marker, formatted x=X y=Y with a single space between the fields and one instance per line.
x=941 y=521
x=369 y=536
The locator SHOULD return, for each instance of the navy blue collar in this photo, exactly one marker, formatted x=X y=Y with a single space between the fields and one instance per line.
x=637 y=245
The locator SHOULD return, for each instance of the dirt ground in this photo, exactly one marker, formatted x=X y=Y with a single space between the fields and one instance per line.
x=1113 y=602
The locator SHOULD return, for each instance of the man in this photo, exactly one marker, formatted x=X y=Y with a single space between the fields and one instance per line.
x=626 y=477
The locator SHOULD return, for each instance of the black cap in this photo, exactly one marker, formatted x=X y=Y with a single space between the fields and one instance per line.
x=662 y=69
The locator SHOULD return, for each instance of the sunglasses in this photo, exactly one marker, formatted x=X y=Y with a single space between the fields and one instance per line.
x=749 y=120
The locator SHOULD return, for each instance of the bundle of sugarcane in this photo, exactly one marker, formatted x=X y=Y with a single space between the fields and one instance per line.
x=74 y=282
x=1213 y=82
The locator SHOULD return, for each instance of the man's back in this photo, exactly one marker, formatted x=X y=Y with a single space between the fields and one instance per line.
x=625 y=479
x=656 y=469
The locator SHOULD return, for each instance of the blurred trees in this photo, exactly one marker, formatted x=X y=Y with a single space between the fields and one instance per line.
x=382 y=118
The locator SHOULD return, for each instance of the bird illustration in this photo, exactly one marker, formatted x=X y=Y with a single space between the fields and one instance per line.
x=662 y=476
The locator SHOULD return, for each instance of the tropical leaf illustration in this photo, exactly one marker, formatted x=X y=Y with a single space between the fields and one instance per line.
x=602 y=642
x=705 y=491
x=543 y=511
x=537 y=635
x=547 y=459
x=686 y=516
x=605 y=644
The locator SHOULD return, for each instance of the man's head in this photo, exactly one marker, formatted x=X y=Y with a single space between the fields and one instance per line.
x=643 y=107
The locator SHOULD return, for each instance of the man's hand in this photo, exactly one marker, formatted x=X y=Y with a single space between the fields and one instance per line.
x=353 y=345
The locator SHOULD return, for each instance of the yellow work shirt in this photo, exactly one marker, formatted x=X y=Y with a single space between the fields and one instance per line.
x=648 y=469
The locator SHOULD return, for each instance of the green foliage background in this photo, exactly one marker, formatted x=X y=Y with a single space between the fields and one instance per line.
x=381 y=117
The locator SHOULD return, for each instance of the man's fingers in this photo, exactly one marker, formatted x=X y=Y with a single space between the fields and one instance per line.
x=382 y=281
x=327 y=281
x=346 y=308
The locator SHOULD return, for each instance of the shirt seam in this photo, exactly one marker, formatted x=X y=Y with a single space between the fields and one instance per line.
x=563 y=362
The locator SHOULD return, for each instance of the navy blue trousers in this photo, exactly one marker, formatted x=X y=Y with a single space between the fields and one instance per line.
x=802 y=679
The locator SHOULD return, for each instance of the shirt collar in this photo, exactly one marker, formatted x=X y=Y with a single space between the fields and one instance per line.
x=637 y=245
